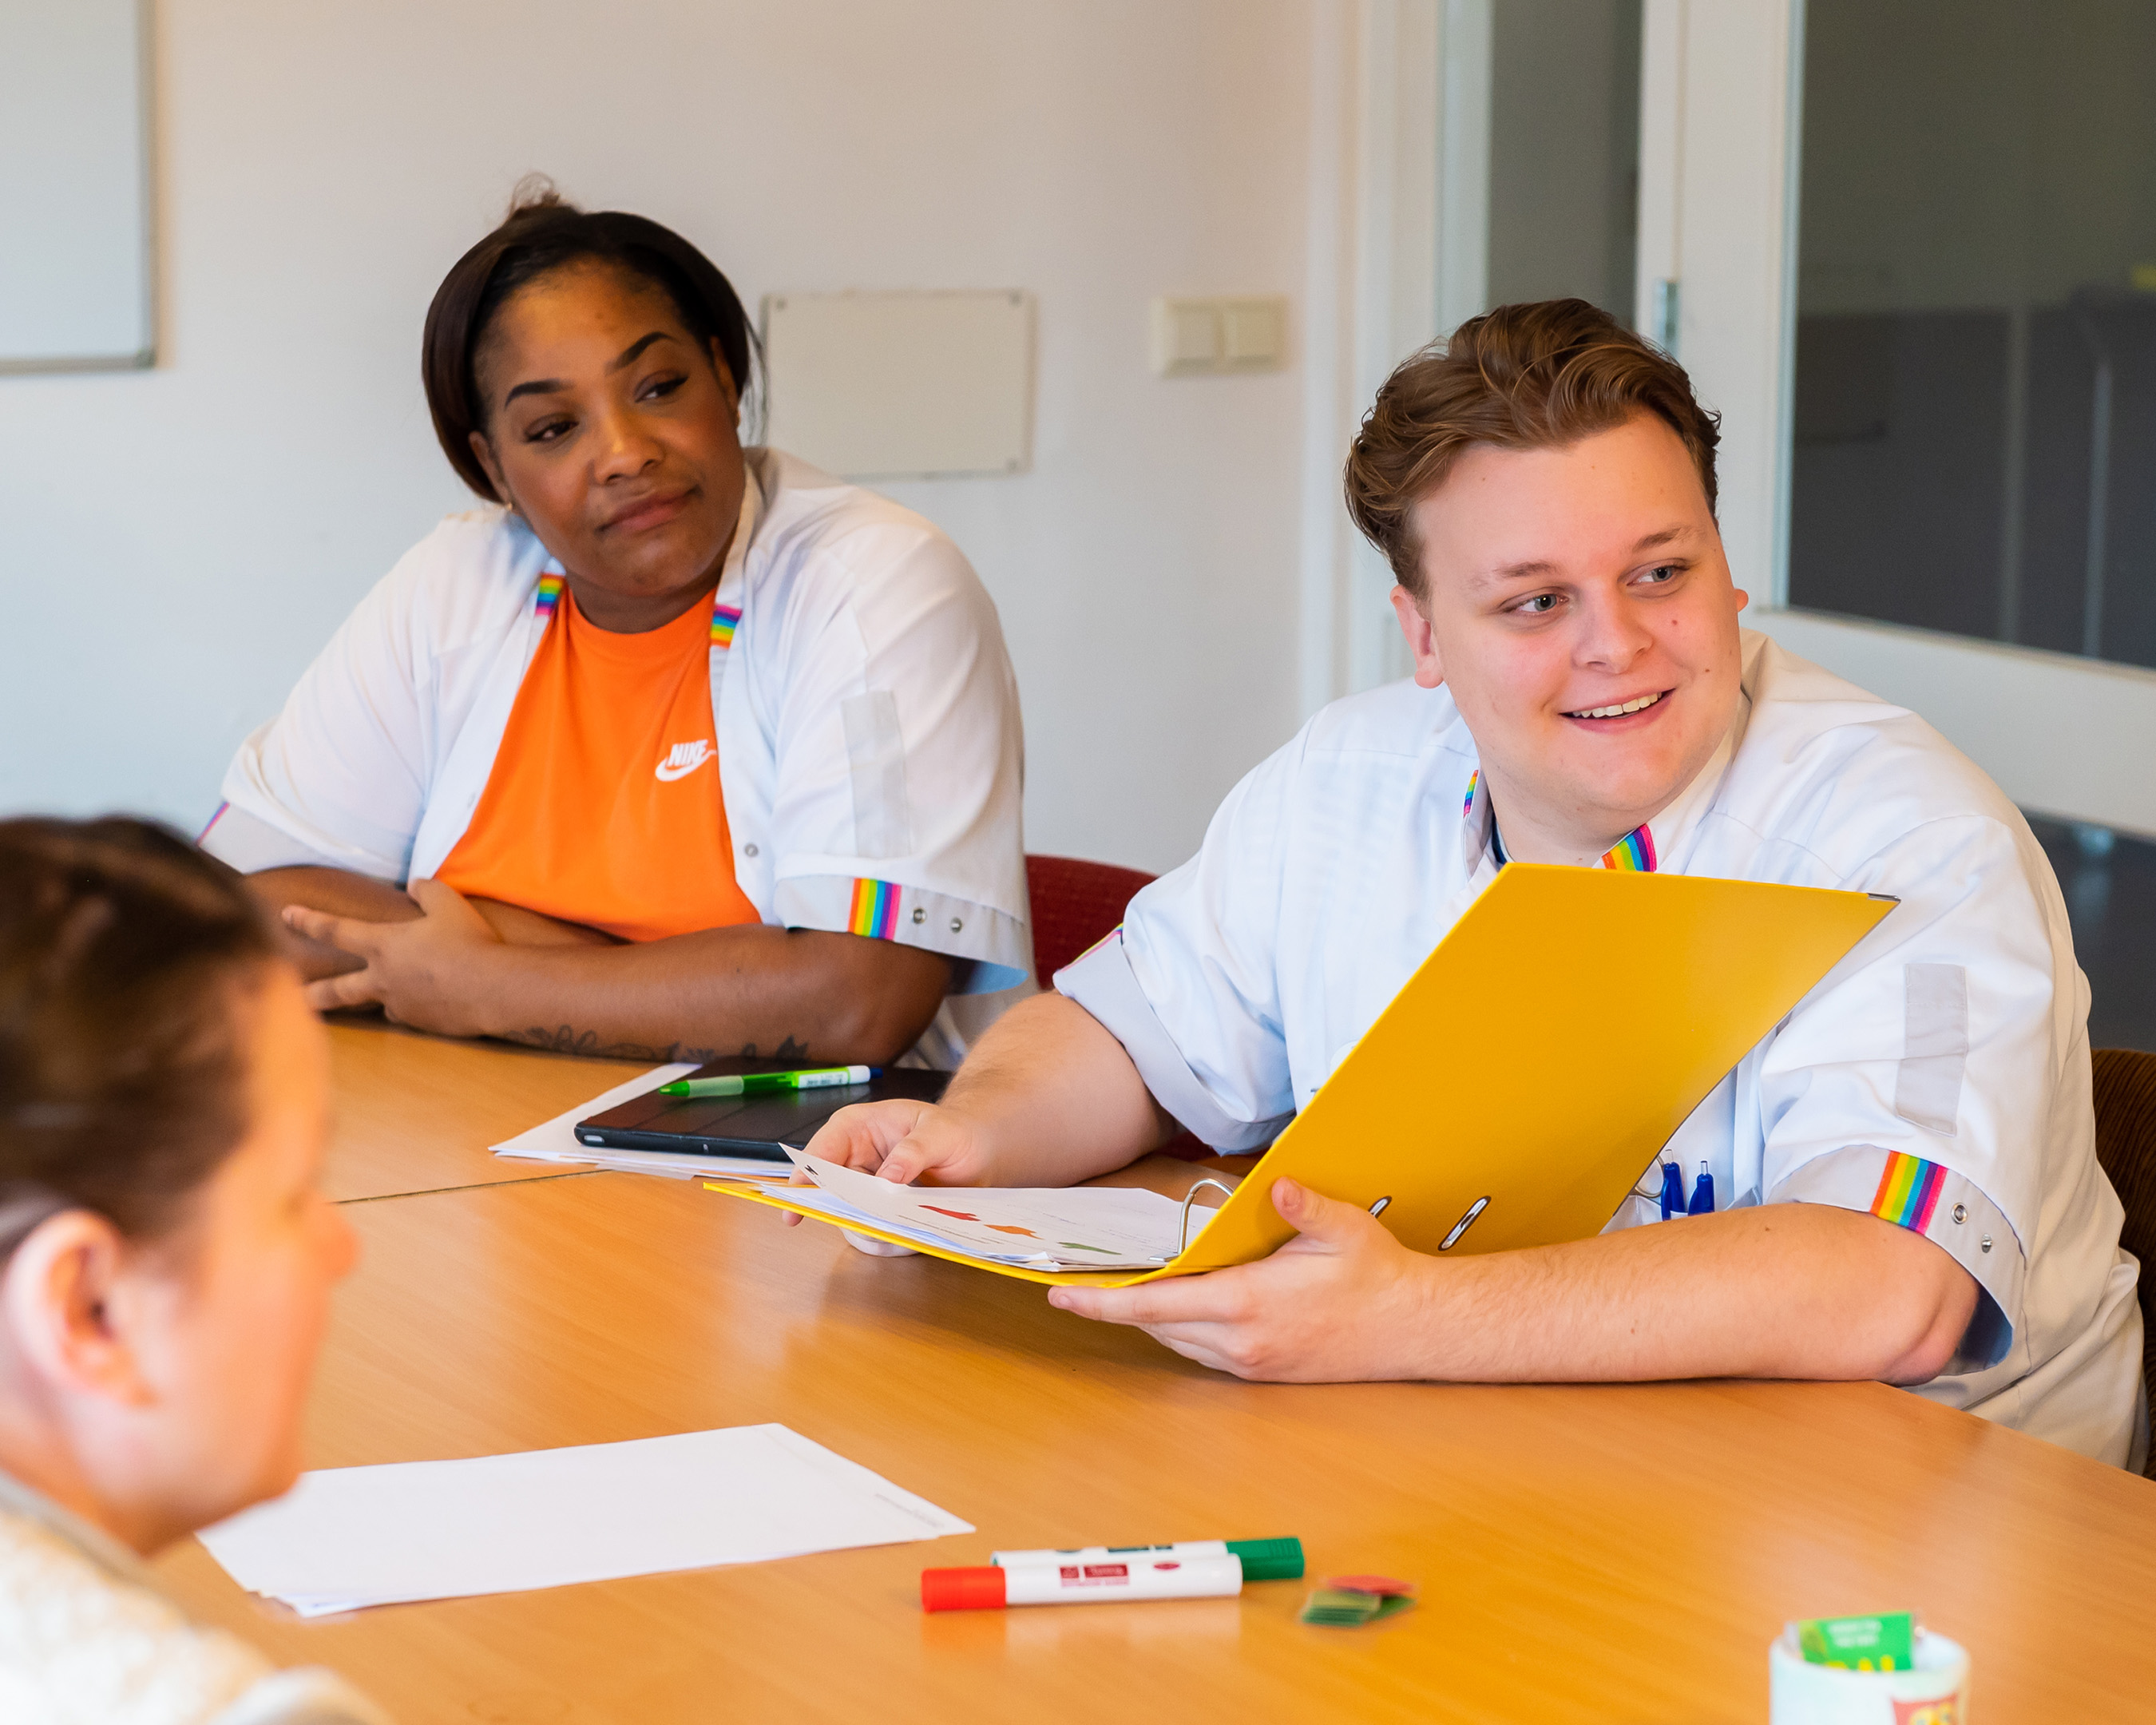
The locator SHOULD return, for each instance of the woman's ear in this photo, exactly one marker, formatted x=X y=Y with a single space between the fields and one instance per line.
x=725 y=379
x=483 y=453
x=72 y=1308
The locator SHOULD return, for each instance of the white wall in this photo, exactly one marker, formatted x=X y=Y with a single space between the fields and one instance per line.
x=174 y=546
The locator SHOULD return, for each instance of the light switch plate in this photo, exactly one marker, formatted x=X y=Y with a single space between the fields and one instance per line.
x=1213 y=336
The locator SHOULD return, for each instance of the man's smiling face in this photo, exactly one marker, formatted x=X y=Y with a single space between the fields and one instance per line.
x=1577 y=603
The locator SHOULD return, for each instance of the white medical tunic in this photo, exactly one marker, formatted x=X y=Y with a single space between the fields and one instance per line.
x=1938 y=1076
x=871 y=754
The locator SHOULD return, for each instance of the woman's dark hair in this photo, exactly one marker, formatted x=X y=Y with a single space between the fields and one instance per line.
x=123 y=1070
x=542 y=233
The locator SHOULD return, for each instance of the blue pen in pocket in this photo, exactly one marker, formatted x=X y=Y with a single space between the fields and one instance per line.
x=1673 y=1196
x=1702 y=1194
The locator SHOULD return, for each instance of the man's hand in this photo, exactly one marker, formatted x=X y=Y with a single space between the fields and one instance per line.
x=902 y=1142
x=1799 y=1290
x=906 y=1141
x=1340 y=1302
x=425 y=973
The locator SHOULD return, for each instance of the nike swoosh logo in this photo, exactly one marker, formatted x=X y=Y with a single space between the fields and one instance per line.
x=668 y=772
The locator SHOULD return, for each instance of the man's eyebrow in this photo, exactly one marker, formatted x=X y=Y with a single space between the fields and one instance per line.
x=1517 y=572
x=548 y=386
x=1536 y=569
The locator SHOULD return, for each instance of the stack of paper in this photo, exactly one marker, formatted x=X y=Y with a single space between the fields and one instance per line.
x=556 y=1140
x=352 y=1536
x=1051 y=1227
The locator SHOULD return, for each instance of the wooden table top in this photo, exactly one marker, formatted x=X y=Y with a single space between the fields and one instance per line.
x=1584 y=1553
x=416 y=1113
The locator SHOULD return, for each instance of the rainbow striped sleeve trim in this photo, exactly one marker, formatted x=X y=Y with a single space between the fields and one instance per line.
x=1633 y=853
x=550 y=595
x=1467 y=802
x=725 y=620
x=876 y=910
x=1908 y=1191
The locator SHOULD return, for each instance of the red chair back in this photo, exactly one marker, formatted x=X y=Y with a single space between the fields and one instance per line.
x=1075 y=903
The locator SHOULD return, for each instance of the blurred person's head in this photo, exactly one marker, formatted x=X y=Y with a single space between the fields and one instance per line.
x=587 y=369
x=1542 y=485
x=166 y=1255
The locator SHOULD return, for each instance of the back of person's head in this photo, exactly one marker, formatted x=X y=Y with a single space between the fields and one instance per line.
x=543 y=233
x=165 y=1253
x=1530 y=377
x=122 y=1068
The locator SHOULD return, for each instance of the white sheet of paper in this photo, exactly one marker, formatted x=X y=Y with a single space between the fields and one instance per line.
x=686 y=1165
x=1070 y=1227
x=436 y=1530
x=556 y=1140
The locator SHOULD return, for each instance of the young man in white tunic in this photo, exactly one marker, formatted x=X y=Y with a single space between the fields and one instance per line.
x=1906 y=1162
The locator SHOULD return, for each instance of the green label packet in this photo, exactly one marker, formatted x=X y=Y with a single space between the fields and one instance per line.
x=1886 y=1643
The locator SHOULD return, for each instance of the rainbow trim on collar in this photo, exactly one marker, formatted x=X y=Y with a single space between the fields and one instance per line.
x=1467 y=802
x=875 y=912
x=725 y=620
x=1908 y=1191
x=550 y=595
x=1633 y=854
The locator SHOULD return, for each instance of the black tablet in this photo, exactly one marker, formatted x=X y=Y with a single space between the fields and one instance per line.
x=745 y=1126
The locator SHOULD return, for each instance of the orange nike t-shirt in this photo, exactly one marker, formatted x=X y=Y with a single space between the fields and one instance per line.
x=602 y=806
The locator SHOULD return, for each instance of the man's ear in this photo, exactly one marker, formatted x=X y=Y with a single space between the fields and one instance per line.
x=71 y=1309
x=483 y=453
x=1429 y=669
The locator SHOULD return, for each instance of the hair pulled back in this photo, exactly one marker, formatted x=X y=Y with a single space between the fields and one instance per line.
x=542 y=233
x=1529 y=376
x=124 y=953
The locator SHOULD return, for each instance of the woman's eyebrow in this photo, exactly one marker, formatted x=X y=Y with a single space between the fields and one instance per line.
x=548 y=386
x=629 y=354
x=538 y=385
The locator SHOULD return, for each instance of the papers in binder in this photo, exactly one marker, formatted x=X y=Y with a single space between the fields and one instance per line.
x=1066 y=1228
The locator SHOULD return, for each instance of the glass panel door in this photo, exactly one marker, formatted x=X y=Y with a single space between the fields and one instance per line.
x=1974 y=418
x=1564 y=151
x=1559 y=215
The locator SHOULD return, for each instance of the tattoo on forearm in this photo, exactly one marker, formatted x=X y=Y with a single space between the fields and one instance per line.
x=567 y=1038
x=789 y=1049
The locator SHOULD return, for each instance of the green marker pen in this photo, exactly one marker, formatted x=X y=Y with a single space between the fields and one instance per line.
x=751 y=1083
x=1263 y=1560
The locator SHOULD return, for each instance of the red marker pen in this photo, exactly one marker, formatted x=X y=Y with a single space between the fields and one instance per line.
x=990 y=1588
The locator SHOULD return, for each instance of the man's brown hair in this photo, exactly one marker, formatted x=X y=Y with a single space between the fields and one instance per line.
x=1530 y=377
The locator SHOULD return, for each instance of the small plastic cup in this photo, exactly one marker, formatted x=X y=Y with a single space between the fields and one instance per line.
x=1934 y=1690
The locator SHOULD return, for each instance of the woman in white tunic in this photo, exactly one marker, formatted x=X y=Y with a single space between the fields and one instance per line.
x=673 y=749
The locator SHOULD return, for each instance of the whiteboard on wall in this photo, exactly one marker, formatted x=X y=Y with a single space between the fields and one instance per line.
x=75 y=186
x=902 y=385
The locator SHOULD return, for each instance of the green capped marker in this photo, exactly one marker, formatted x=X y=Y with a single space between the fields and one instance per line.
x=750 y=1084
x=1263 y=1560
